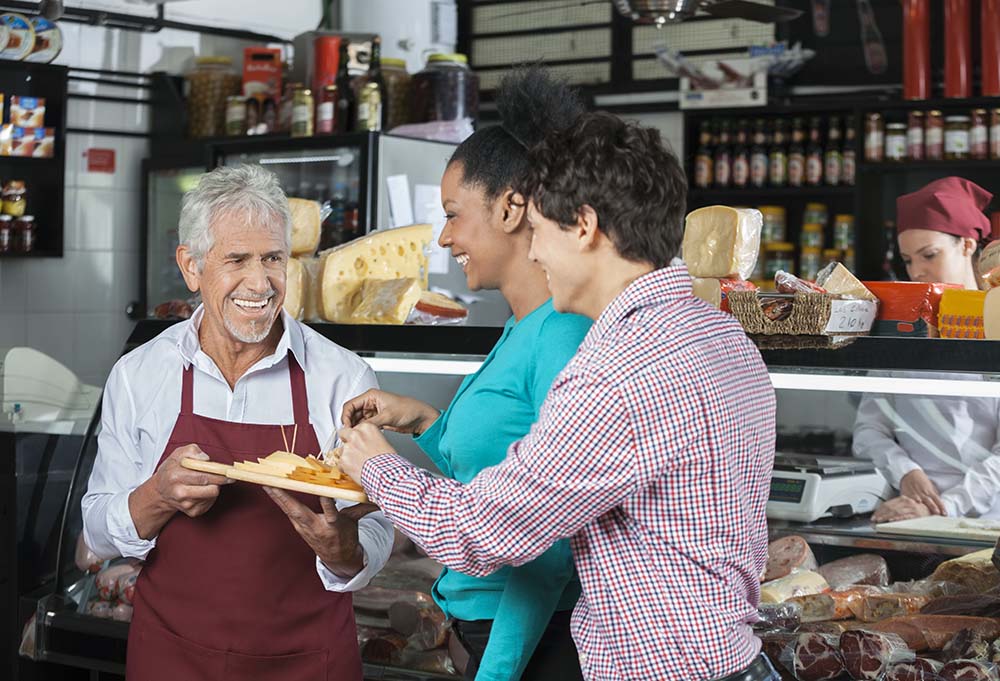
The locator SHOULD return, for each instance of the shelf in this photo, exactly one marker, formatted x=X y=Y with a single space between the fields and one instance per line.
x=32 y=254
x=752 y=194
x=887 y=353
x=923 y=166
x=927 y=104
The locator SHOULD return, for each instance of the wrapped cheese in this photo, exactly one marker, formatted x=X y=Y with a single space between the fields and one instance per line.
x=837 y=279
x=798 y=583
x=306 y=225
x=387 y=301
x=296 y=288
x=721 y=242
x=311 y=267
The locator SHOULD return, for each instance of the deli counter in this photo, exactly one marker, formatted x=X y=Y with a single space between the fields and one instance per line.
x=818 y=393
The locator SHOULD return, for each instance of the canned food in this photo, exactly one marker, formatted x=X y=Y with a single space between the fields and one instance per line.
x=815 y=213
x=778 y=256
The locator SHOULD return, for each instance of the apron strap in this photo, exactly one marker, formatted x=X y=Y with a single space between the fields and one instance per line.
x=187 y=391
x=300 y=397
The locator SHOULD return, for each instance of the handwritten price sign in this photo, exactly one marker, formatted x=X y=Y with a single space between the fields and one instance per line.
x=851 y=316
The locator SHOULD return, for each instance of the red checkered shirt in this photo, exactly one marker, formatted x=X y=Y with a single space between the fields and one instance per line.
x=653 y=454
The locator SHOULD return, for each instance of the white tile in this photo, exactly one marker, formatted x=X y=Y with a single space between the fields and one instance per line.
x=13 y=330
x=129 y=221
x=94 y=219
x=14 y=285
x=54 y=334
x=95 y=282
x=52 y=288
x=128 y=164
x=100 y=338
x=136 y=117
x=126 y=274
x=70 y=221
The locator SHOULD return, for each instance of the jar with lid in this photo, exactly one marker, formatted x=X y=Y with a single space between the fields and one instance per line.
x=812 y=235
x=236 y=116
x=850 y=262
x=995 y=134
x=14 y=198
x=830 y=255
x=915 y=136
x=956 y=138
x=24 y=232
x=774 y=228
x=6 y=234
x=209 y=85
x=815 y=212
x=978 y=137
x=303 y=113
x=874 y=134
x=809 y=262
x=445 y=90
x=369 y=118
x=934 y=136
x=843 y=231
x=397 y=92
x=895 y=142
x=778 y=256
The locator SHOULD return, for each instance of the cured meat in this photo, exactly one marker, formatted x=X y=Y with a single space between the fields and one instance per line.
x=779 y=616
x=920 y=669
x=383 y=647
x=975 y=571
x=867 y=654
x=108 y=578
x=933 y=632
x=968 y=670
x=866 y=568
x=787 y=554
x=976 y=605
x=379 y=599
x=831 y=605
x=970 y=644
x=875 y=607
x=425 y=627
x=835 y=628
x=816 y=657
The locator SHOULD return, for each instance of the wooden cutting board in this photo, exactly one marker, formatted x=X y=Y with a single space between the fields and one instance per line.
x=971 y=529
x=274 y=481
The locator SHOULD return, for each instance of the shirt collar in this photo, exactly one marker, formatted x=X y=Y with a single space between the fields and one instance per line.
x=291 y=339
x=654 y=288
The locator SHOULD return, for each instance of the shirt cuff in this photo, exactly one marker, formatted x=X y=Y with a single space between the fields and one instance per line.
x=898 y=469
x=952 y=505
x=332 y=582
x=121 y=527
x=379 y=471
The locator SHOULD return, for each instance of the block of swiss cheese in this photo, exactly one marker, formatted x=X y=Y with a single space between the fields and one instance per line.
x=386 y=301
x=384 y=254
x=305 y=226
x=721 y=242
x=295 y=288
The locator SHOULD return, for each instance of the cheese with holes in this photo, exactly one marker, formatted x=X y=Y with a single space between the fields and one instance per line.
x=799 y=583
x=716 y=292
x=386 y=301
x=837 y=279
x=721 y=242
x=385 y=254
x=295 y=288
x=305 y=226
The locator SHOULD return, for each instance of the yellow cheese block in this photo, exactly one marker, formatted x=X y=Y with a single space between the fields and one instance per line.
x=386 y=301
x=960 y=314
x=385 y=254
x=991 y=314
x=305 y=226
x=802 y=583
x=721 y=242
x=837 y=279
x=295 y=289
x=312 y=267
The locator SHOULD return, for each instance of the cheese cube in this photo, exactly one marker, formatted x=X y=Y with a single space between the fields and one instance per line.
x=837 y=279
x=295 y=289
x=305 y=226
x=801 y=583
x=721 y=242
x=385 y=254
x=386 y=301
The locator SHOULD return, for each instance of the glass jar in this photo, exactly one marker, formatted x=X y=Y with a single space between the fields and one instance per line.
x=812 y=235
x=397 y=96
x=995 y=134
x=303 y=113
x=809 y=263
x=236 y=116
x=25 y=235
x=874 y=133
x=843 y=232
x=830 y=255
x=209 y=85
x=895 y=142
x=979 y=146
x=6 y=234
x=774 y=228
x=815 y=213
x=915 y=136
x=15 y=198
x=326 y=111
x=934 y=136
x=778 y=256
x=446 y=90
x=956 y=138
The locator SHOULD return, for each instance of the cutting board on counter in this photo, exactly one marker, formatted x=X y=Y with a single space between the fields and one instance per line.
x=970 y=529
x=274 y=481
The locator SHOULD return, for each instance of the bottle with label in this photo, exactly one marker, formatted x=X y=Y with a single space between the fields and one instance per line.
x=833 y=160
x=849 y=171
x=303 y=113
x=722 y=164
x=759 y=155
x=797 y=155
x=326 y=111
x=934 y=136
x=814 y=155
x=346 y=104
x=979 y=146
x=741 y=157
x=915 y=136
x=703 y=157
x=370 y=108
x=375 y=76
x=874 y=137
x=956 y=138
x=995 y=134
x=777 y=160
x=895 y=142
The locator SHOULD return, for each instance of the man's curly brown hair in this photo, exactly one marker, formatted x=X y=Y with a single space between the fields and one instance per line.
x=623 y=171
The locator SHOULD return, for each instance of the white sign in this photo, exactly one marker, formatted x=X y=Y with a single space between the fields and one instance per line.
x=851 y=316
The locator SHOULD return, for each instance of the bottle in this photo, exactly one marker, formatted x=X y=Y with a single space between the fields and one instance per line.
x=797 y=155
x=741 y=157
x=849 y=172
x=375 y=76
x=814 y=155
x=722 y=164
x=326 y=111
x=703 y=157
x=346 y=104
x=832 y=158
x=889 y=260
x=303 y=114
x=777 y=158
x=758 y=154
x=369 y=109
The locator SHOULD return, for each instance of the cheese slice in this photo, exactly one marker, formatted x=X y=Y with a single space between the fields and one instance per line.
x=837 y=279
x=296 y=288
x=386 y=301
x=801 y=583
x=721 y=242
x=305 y=226
x=715 y=292
x=385 y=254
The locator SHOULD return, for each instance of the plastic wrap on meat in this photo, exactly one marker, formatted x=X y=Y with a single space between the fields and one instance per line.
x=867 y=654
x=835 y=628
x=866 y=568
x=425 y=627
x=933 y=588
x=431 y=661
x=968 y=644
x=383 y=647
x=108 y=578
x=875 y=607
x=777 y=309
x=919 y=669
x=122 y=612
x=787 y=554
x=85 y=559
x=968 y=670
x=933 y=632
x=831 y=605
x=778 y=616
x=975 y=605
x=786 y=282
x=379 y=599
x=774 y=643
x=126 y=587
x=814 y=657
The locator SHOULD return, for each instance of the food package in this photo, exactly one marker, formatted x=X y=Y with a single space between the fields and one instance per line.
x=976 y=605
x=721 y=242
x=838 y=280
x=907 y=308
x=262 y=72
x=306 y=226
x=835 y=628
x=311 y=308
x=386 y=301
x=431 y=661
x=776 y=309
x=960 y=314
x=933 y=632
x=786 y=282
x=108 y=578
x=45 y=143
x=296 y=289
x=969 y=670
x=974 y=571
x=798 y=583
x=787 y=554
x=917 y=669
x=867 y=654
x=814 y=657
x=27 y=112
x=122 y=612
x=832 y=605
x=774 y=643
x=716 y=292
x=988 y=264
x=101 y=609
x=378 y=599
x=436 y=309
x=786 y=615
x=85 y=559
x=865 y=568
x=383 y=647
x=969 y=644
x=875 y=607
x=126 y=587
x=424 y=626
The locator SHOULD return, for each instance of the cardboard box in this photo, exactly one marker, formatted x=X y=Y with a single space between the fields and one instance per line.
x=27 y=112
x=262 y=72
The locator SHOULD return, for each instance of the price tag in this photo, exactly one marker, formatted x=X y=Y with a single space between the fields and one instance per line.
x=851 y=316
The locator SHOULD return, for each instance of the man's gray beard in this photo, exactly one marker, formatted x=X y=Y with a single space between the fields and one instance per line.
x=255 y=335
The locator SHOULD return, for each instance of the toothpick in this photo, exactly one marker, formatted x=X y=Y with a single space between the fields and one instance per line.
x=295 y=434
x=283 y=438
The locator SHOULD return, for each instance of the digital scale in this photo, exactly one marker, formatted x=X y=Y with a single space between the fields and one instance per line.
x=806 y=488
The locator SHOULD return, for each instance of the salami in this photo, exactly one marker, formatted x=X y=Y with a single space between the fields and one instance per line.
x=816 y=657
x=920 y=669
x=974 y=605
x=968 y=670
x=867 y=654
x=968 y=644
x=866 y=568
x=933 y=632
x=787 y=554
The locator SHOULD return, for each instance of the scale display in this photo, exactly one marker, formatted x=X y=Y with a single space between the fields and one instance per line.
x=787 y=489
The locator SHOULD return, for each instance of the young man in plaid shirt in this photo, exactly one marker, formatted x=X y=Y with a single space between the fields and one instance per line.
x=653 y=450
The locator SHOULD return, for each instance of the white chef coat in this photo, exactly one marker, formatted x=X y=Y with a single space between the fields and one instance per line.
x=143 y=397
x=954 y=440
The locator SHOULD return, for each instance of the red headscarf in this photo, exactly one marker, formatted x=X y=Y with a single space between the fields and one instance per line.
x=952 y=205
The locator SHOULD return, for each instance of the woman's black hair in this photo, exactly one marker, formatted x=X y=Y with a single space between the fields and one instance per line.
x=531 y=104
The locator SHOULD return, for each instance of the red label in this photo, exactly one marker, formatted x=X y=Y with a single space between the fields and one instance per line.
x=100 y=160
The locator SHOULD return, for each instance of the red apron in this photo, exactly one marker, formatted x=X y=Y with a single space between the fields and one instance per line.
x=234 y=594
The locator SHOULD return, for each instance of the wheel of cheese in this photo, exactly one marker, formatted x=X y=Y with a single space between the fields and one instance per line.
x=306 y=225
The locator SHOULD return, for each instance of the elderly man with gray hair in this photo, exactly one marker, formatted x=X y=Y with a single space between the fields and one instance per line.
x=239 y=582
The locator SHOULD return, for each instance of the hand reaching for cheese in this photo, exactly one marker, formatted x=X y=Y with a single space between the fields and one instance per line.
x=364 y=441
x=389 y=411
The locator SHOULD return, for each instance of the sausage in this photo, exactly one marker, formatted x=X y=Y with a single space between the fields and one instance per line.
x=875 y=607
x=920 y=669
x=867 y=654
x=968 y=670
x=787 y=554
x=979 y=605
x=968 y=644
x=831 y=605
x=933 y=632
x=866 y=568
x=816 y=657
